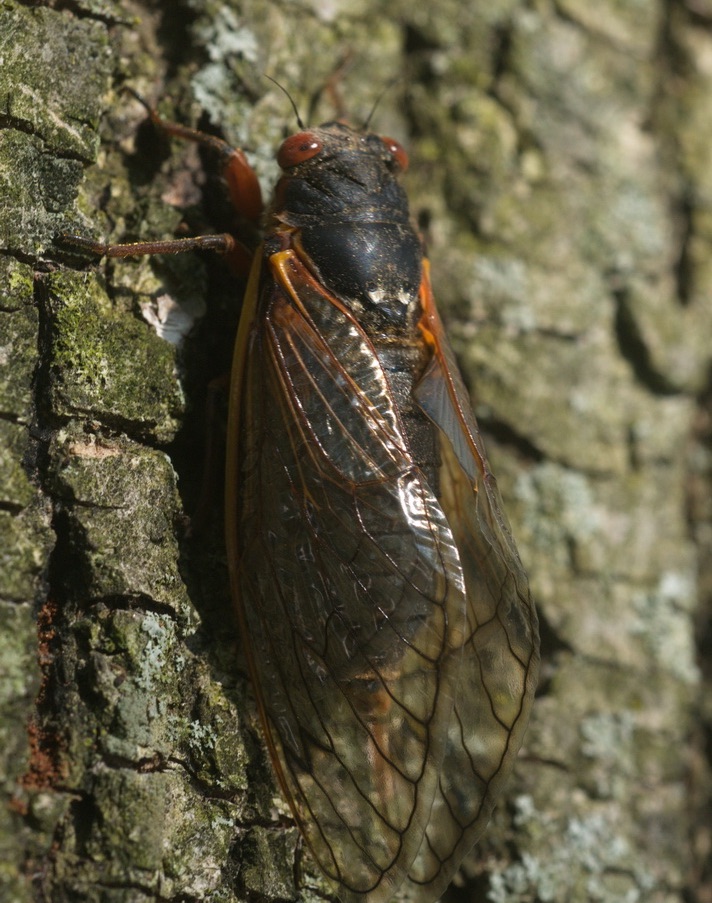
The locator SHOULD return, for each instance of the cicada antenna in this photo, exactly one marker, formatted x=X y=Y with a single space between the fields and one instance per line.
x=332 y=86
x=290 y=99
x=384 y=91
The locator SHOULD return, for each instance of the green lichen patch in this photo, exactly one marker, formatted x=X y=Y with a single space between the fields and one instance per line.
x=213 y=736
x=112 y=11
x=127 y=830
x=24 y=541
x=122 y=506
x=91 y=374
x=36 y=188
x=138 y=835
x=18 y=686
x=633 y=24
x=16 y=284
x=203 y=834
x=54 y=72
x=18 y=350
x=592 y=810
x=150 y=825
x=266 y=868
x=593 y=373
x=59 y=100
x=15 y=487
x=140 y=653
x=19 y=680
x=674 y=340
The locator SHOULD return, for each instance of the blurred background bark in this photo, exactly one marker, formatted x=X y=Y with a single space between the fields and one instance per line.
x=561 y=174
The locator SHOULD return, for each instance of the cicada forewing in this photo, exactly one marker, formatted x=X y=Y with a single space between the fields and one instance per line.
x=500 y=655
x=390 y=628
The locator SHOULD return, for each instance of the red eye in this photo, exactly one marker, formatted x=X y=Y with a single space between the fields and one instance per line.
x=298 y=148
x=397 y=152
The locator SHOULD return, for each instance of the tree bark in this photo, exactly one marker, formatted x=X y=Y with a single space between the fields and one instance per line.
x=560 y=171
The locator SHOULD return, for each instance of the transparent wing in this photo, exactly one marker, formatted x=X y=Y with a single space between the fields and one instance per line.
x=352 y=589
x=497 y=678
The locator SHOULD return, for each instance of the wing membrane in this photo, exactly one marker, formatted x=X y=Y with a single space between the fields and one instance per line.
x=393 y=638
x=499 y=666
x=352 y=590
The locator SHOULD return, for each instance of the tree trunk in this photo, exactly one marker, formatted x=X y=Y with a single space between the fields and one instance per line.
x=561 y=173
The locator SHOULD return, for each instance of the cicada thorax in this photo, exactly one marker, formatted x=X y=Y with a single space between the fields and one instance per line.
x=349 y=220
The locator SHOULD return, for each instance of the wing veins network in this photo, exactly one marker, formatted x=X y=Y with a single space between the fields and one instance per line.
x=374 y=809
x=440 y=603
x=277 y=359
x=283 y=377
x=378 y=814
x=386 y=688
x=332 y=750
x=356 y=392
x=358 y=580
x=293 y=346
x=473 y=768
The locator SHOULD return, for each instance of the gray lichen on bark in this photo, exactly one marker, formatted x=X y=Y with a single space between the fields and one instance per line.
x=560 y=169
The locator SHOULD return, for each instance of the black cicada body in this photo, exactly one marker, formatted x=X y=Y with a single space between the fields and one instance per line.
x=390 y=633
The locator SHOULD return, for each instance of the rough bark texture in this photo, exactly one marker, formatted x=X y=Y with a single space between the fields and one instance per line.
x=561 y=172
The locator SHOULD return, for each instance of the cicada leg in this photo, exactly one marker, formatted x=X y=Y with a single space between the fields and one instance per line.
x=243 y=187
x=241 y=178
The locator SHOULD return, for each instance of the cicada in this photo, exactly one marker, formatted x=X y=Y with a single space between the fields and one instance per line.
x=390 y=633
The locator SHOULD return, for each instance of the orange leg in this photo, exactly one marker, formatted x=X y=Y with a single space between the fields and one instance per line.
x=241 y=178
x=243 y=187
